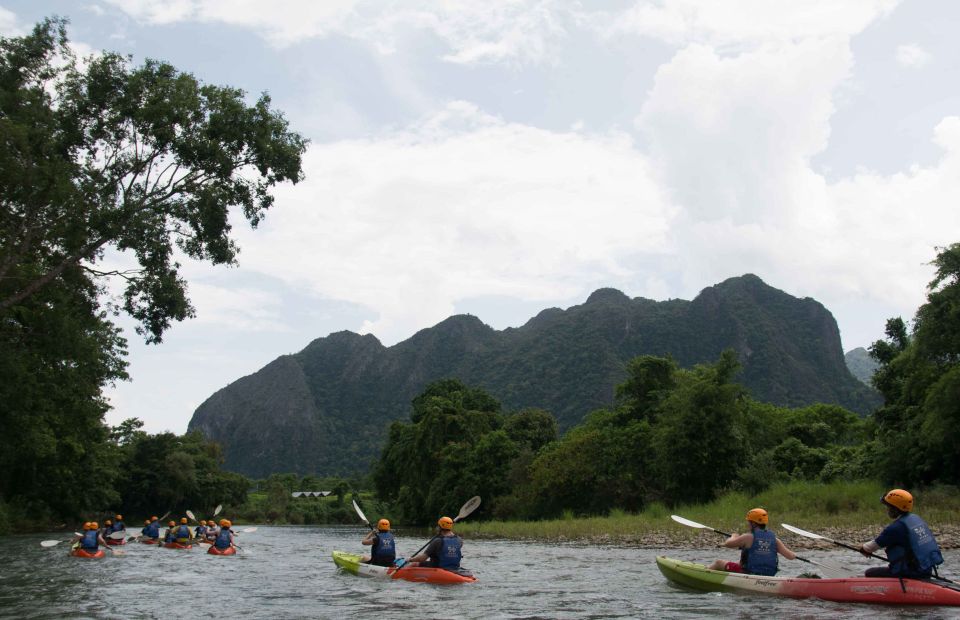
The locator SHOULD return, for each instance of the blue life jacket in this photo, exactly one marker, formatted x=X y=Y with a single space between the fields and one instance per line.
x=384 y=550
x=223 y=539
x=200 y=531
x=89 y=540
x=761 y=557
x=168 y=537
x=117 y=527
x=152 y=530
x=449 y=555
x=923 y=553
x=183 y=534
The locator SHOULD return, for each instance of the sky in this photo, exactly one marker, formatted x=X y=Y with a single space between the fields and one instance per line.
x=501 y=157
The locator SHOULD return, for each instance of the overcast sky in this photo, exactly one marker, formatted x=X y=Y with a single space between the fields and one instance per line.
x=500 y=157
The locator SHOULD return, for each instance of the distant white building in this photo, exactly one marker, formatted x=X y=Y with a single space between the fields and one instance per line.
x=311 y=493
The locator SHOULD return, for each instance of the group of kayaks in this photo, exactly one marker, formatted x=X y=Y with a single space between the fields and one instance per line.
x=78 y=552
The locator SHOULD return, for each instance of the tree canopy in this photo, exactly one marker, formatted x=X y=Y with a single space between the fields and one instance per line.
x=96 y=155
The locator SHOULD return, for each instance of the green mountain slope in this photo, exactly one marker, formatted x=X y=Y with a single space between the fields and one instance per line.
x=326 y=409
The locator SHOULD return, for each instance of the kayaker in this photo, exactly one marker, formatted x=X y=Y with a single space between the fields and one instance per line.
x=169 y=535
x=224 y=539
x=383 y=550
x=200 y=532
x=911 y=548
x=107 y=528
x=182 y=535
x=91 y=539
x=444 y=551
x=152 y=529
x=212 y=531
x=758 y=548
x=118 y=525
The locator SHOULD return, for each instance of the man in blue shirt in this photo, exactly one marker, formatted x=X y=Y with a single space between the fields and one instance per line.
x=912 y=550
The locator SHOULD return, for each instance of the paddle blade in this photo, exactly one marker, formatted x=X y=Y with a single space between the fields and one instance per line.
x=690 y=523
x=50 y=543
x=804 y=533
x=467 y=508
x=218 y=509
x=362 y=516
x=248 y=530
x=190 y=514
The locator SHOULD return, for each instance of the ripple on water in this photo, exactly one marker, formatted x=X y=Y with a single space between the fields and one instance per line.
x=288 y=573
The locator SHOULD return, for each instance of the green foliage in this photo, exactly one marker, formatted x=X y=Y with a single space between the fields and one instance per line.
x=457 y=445
x=919 y=377
x=96 y=155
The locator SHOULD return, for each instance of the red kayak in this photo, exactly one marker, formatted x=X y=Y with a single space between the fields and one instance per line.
x=176 y=545
x=883 y=590
x=77 y=552
x=149 y=541
x=231 y=550
x=113 y=542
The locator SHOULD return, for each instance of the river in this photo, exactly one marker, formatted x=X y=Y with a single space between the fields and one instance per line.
x=286 y=572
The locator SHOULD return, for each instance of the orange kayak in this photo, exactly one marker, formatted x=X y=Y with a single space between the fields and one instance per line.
x=231 y=550
x=77 y=552
x=419 y=574
x=176 y=545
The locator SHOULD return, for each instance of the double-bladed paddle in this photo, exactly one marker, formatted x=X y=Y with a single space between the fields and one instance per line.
x=836 y=570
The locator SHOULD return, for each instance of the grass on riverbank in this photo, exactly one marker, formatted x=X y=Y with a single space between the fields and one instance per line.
x=811 y=506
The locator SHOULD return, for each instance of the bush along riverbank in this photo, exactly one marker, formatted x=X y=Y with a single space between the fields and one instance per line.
x=845 y=511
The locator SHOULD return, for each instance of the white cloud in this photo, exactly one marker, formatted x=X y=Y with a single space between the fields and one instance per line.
x=913 y=56
x=493 y=31
x=739 y=23
x=461 y=205
x=8 y=23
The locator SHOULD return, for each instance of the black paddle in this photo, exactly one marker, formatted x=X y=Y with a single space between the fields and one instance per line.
x=465 y=511
x=830 y=569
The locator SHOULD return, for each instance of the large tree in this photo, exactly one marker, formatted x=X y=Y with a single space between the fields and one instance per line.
x=99 y=155
x=142 y=159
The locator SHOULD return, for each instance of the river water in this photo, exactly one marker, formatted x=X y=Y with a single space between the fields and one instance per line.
x=286 y=572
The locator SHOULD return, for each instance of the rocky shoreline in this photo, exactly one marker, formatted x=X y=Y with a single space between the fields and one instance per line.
x=948 y=536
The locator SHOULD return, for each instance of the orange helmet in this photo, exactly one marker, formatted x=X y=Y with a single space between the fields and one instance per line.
x=899 y=499
x=758 y=516
x=183 y=519
x=86 y=525
x=202 y=522
x=383 y=525
x=172 y=523
x=119 y=517
x=445 y=523
x=225 y=523
x=94 y=525
x=108 y=522
x=146 y=521
x=154 y=518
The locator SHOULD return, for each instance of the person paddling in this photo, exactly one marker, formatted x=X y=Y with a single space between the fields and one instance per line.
x=91 y=539
x=383 y=550
x=200 y=532
x=182 y=535
x=911 y=547
x=107 y=528
x=212 y=530
x=758 y=548
x=118 y=525
x=151 y=530
x=224 y=539
x=444 y=551
x=169 y=536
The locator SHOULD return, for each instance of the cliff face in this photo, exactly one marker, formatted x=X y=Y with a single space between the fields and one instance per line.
x=326 y=410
